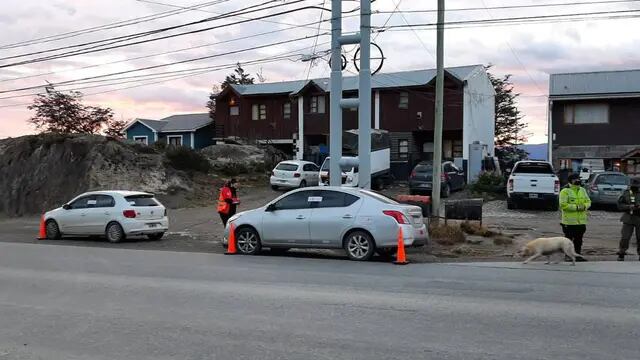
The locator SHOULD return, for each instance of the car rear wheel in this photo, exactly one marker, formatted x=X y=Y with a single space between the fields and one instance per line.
x=114 y=233
x=446 y=191
x=156 y=236
x=359 y=246
x=52 y=230
x=248 y=241
x=273 y=187
x=511 y=205
x=303 y=183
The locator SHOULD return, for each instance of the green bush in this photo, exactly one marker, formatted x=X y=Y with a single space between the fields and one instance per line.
x=184 y=158
x=143 y=149
x=489 y=182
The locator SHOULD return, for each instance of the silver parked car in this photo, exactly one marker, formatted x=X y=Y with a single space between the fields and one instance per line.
x=294 y=174
x=605 y=188
x=360 y=221
x=113 y=214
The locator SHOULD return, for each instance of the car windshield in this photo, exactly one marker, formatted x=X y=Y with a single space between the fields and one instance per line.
x=533 y=168
x=287 y=167
x=380 y=197
x=613 y=180
x=141 y=200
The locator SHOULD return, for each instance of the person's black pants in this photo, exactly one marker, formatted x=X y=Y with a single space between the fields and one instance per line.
x=627 y=231
x=225 y=218
x=575 y=234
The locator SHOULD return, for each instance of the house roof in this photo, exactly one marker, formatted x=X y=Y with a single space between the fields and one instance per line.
x=595 y=83
x=186 y=122
x=183 y=122
x=378 y=81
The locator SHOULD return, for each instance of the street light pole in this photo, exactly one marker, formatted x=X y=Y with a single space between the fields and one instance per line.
x=437 y=133
x=335 y=111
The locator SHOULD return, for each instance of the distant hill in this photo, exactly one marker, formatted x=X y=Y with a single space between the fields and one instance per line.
x=536 y=151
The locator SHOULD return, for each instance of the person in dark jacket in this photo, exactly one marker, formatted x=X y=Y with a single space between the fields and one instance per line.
x=630 y=204
x=228 y=200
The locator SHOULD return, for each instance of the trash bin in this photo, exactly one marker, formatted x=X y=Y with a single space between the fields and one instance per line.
x=468 y=209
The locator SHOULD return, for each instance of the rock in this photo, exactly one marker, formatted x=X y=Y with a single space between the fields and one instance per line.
x=474 y=239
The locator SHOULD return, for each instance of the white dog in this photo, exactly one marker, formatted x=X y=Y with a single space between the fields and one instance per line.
x=548 y=247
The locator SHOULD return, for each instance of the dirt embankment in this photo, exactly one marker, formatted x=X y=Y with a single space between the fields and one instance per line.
x=41 y=172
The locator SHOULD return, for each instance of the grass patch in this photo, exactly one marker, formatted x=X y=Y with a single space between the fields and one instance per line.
x=447 y=234
x=476 y=229
x=502 y=240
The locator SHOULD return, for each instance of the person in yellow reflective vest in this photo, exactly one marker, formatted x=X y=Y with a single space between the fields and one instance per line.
x=630 y=204
x=574 y=203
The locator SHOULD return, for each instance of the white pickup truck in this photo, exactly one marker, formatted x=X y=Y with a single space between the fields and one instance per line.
x=533 y=182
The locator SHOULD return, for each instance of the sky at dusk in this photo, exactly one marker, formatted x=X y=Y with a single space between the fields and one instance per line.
x=528 y=51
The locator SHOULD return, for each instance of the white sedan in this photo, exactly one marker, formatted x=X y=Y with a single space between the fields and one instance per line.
x=114 y=214
x=359 y=221
x=294 y=174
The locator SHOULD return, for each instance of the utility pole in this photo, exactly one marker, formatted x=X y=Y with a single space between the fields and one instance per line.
x=363 y=102
x=364 y=94
x=437 y=132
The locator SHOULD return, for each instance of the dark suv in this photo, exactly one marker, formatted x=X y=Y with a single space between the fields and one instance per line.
x=421 y=179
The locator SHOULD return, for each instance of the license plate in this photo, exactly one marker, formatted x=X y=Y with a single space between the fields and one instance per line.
x=533 y=196
x=425 y=185
x=611 y=193
x=152 y=225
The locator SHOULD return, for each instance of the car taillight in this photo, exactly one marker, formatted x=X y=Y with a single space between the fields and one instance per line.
x=296 y=175
x=444 y=177
x=273 y=173
x=556 y=187
x=397 y=215
x=510 y=185
x=413 y=174
x=594 y=188
x=130 y=214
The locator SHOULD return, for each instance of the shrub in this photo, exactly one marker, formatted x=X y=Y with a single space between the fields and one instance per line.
x=143 y=149
x=184 y=158
x=502 y=240
x=489 y=182
x=476 y=229
x=447 y=234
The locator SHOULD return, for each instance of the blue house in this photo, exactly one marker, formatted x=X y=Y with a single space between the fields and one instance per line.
x=191 y=130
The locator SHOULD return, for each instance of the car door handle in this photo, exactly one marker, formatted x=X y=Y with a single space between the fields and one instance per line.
x=300 y=217
x=347 y=216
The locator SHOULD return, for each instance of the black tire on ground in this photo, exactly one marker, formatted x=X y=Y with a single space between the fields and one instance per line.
x=114 y=233
x=511 y=205
x=446 y=191
x=554 y=206
x=52 y=230
x=156 y=236
x=303 y=183
x=359 y=246
x=378 y=184
x=386 y=253
x=273 y=187
x=248 y=241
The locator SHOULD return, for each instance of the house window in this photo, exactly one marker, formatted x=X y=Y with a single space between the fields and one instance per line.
x=403 y=149
x=234 y=110
x=174 y=140
x=586 y=114
x=317 y=104
x=404 y=100
x=259 y=112
x=141 y=139
x=286 y=110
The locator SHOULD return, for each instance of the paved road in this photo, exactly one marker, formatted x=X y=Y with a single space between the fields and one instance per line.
x=65 y=302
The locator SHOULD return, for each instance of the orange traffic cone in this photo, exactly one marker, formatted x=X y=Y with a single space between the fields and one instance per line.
x=231 y=246
x=401 y=259
x=42 y=234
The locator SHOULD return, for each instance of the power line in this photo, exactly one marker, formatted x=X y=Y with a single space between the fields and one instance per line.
x=113 y=25
x=388 y=19
x=81 y=52
x=161 y=53
x=218 y=13
x=416 y=34
x=245 y=10
x=315 y=41
x=168 y=64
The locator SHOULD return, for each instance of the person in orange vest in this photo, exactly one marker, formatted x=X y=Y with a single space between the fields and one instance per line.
x=228 y=200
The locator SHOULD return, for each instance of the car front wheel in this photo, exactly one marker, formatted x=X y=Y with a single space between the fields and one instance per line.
x=115 y=233
x=359 y=246
x=248 y=241
x=52 y=230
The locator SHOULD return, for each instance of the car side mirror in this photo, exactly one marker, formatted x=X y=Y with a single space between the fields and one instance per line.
x=271 y=208
x=66 y=206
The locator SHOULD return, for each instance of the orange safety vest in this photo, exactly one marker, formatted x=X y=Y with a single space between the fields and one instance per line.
x=223 y=206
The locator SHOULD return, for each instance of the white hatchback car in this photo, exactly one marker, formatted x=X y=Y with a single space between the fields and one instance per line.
x=294 y=174
x=114 y=214
x=360 y=221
